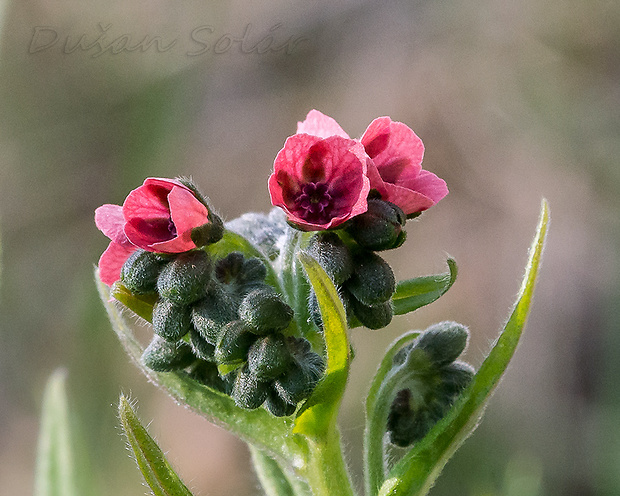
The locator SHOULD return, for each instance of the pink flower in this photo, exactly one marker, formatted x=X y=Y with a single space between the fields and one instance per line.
x=395 y=169
x=320 y=183
x=158 y=216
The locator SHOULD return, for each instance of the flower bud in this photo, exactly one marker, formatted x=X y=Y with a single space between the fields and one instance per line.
x=171 y=321
x=163 y=356
x=253 y=271
x=277 y=406
x=201 y=347
x=405 y=425
x=227 y=269
x=373 y=317
x=140 y=271
x=456 y=377
x=248 y=391
x=234 y=343
x=372 y=281
x=332 y=254
x=380 y=227
x=264 y=311
x=213 y=312
x=443 y=342
x=206 y=373
x=186 y=278
x=302 y=376
x=269 y=357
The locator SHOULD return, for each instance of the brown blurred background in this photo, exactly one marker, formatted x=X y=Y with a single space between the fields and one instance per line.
x=515 y=101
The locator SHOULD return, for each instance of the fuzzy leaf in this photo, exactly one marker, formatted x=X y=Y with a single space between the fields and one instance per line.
x=416 y=472
x=55 y=474
x=317 y=416
x=420 y=291
x=151 y=461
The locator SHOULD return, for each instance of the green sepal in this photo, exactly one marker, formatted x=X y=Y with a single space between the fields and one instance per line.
x=156 y=470
x=141 y=305
x=420 y=291
x=417 y=471
x=317 y=417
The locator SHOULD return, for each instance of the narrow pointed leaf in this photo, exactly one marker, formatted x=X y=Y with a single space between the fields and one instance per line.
x=151 y=461
x=55 y=473
x=253 y=426
x=416 y=472
x=420 y=291
x=317 y=416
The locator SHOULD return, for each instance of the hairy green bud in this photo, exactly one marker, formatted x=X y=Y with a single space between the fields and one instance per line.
x=213 y=312
x=171 y=321
x=269 y=357
x=277 y=406
x=163 y=356
x=140 y=271
x=380 y=227
x=201 y=347
x=248 y=391
x=373 y=281
x=332 y=254
x=373 y=317
x=264 y=311
x=234 y=343
x=185 y=279
x=443 y=342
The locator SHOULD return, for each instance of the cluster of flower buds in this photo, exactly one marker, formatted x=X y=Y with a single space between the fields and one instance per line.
x=432 y=381
x=365 y=281
x=223 y=316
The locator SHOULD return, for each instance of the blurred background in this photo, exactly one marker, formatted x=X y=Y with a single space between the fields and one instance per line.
x=514 y=101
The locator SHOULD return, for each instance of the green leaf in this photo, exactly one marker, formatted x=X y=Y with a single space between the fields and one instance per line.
x=317 y=417
x=141 y=305
x=151 y=461
x=376 y=417
x=416 y=472
x=415 y=293
x=274 y=479
x=257 y=427
x=55 y=474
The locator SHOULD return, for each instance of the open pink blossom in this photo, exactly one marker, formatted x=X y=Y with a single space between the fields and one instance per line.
x=320 y=183
x=395 y=169
x=159 y=216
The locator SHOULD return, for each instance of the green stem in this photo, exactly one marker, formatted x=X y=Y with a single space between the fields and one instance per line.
x=325 y=469
x=374 y=435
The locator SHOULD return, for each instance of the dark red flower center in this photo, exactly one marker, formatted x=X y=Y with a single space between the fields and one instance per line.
x=157 y=229
x=315 y=203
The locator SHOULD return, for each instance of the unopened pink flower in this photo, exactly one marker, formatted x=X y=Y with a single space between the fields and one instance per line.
x=395 y=165
x=320 y=183
x=159 y=216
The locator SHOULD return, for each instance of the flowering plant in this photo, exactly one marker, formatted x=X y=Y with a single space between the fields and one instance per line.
x=251 y=318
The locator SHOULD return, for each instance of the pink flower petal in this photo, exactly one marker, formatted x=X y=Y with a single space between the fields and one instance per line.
x=319 y=124
x=187 y=212
x=112 y=260
x=394 y=148
x=430 y=185
x=110 y=221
